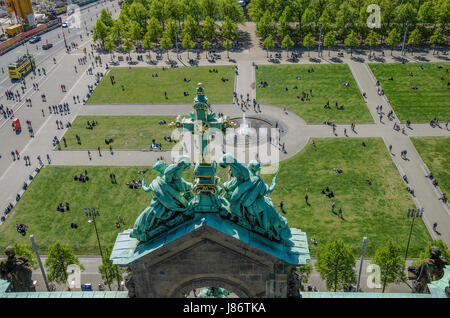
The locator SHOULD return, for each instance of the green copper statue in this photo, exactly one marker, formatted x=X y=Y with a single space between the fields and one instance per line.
x=213 y=292
x=248 y=203
x=171 y=195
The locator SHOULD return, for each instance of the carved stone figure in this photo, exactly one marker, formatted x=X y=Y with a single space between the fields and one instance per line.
x=293 y=284
x=429 y=270
x=171 y=195
x=247 y=200
x=16 y=271
x=129 y=284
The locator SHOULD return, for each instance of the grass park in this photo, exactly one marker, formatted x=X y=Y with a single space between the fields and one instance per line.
x=128 y=132
x=141 y=88
x=435 y=152
x=326 y=85
x=377 y=211
x=431 y=99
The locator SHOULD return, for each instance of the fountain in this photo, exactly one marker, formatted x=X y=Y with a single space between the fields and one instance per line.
x=244 y=128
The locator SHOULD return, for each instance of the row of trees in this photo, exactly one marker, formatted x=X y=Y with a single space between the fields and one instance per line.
x=59 y=258
x=301 y=17
x=149 y=23
x=335 y=263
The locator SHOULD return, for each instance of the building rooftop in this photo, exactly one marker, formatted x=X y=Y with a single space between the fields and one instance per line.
x=127 y=250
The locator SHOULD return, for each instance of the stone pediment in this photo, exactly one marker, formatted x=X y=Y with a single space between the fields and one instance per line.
x=210 y=226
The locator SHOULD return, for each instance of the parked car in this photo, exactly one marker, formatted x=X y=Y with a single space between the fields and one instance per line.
x=47 y=46
x=35 y=39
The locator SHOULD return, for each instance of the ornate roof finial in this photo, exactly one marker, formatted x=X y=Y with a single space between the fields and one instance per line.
x=200 y=89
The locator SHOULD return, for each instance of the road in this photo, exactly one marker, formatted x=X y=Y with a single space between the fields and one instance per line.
x=91 y=275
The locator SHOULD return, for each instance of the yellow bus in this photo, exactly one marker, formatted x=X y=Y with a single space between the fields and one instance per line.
x=21 y=67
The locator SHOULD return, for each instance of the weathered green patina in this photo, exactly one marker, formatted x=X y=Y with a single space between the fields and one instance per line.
x=243 y=200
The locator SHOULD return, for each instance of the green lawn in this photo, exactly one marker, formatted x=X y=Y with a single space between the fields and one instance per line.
x=377 y=211
x=421 y=105
x=435 y=152
x=325 y=83
x=128 y=132
x=142 y=88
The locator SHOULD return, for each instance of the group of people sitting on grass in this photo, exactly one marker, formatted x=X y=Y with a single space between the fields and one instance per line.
x=223 y=79
x=82 y=177
x=213 y=70
x=339 y=107
x=22 y=229
x=263 y=84
x=327 y=192
x=162 y=122
x=156 y=75
x=186 y=94
x=155 y=145
x=187 y=80
x=63 y=207
x=91 y=125
x=134 y=184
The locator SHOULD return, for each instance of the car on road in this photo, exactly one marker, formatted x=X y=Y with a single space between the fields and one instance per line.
x=47 y=46
x=35 y=39
x=64 y=25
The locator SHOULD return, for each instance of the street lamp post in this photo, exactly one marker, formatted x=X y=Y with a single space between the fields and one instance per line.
x=94 y=214
x=412 y=213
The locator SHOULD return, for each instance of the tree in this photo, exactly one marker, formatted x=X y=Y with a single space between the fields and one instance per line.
x=227 y=45
x=109 y=45
x=206 y=47
x=351 y=41
x=393 y=39
x=445 y=252
x=209 y=29
x=308 y=42
x=231 y=9
x=108 y=270
x=268 y=44
x=135 y=32
x=25 y=251
x=166 y=43
x=210 y=8
x=190 y=27
x=100 y=32
x=329 y=41
x=371 y=40
x=265 y=26
x=154 y=29
x=335 y=263
x=117 y=31
x=437 y=38
x=304 y=271
x=284 y=28
x=128 y=46
x=392 y=264
x=187 y=44
x=147 y=44
x=287 y=43
x=106 y=18
x=346 y=18
x=229 y=29
x=414 y=38
x=59 y=258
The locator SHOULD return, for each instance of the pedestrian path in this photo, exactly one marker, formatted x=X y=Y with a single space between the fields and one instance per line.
x=424 y=195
